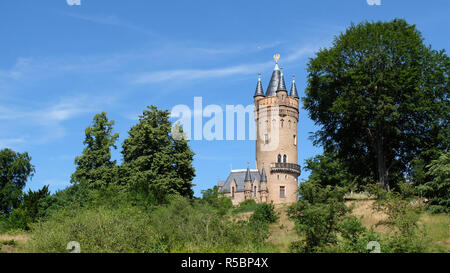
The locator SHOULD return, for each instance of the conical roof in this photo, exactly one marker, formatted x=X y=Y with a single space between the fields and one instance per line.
x=294 y=92
x=259 y=88
x=281 y=84
x=273 y=84
x=263 y=175
x=248 y=176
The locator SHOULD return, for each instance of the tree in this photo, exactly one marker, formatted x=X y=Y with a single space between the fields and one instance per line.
x=438 y=189
x=157 y=163
x=95 y=164
x=15 y=170
x=381 y=98
x=327 y=169
x=317 y=216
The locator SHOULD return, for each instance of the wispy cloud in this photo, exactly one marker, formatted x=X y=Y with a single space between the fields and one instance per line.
x=46 y=122
x=193 y=74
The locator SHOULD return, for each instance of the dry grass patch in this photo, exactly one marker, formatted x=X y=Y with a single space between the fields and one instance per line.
x=13 y=243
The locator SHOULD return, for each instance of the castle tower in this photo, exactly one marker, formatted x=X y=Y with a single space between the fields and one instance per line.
x=248 y=184
x=276 y=116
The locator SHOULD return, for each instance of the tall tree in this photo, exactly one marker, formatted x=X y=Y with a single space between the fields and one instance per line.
x=158 y=163
x=95 y=164
x=15 y=170
x=381 y=98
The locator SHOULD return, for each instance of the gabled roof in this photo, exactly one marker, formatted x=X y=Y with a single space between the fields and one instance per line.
x=239 y=177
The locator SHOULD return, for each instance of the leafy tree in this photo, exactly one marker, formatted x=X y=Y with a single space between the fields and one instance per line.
x=327 y=169
x=15 y=170
x=94 y=165
x=437 y=190
x=381 y=98
x=36 y=202
x=317 y=216
x=217 y=200
x=157 y=163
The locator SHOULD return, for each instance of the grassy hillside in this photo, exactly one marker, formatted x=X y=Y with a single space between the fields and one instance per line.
x=282 y=232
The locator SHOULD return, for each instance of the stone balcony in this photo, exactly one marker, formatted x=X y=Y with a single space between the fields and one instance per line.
x=285 y=167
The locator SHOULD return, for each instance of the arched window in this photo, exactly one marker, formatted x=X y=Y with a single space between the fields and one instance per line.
x=279 y=159
x=254 y=192
x=284 y=158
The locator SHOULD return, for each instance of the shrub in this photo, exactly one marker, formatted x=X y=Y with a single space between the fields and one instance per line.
x=264 y=213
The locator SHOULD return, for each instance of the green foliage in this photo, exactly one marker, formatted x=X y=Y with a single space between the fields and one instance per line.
x=264 y=213
x=327 y=169
x=437 y=190
x=181 y=225
x=246 y=206
x=156 y=163
x=405 y=235
x=216 y=200
x=381 y=98
x=94 y=165
x=317 y=216
x=15 y=170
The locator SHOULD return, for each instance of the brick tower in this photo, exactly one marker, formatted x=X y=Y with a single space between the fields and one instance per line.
x=276 y=116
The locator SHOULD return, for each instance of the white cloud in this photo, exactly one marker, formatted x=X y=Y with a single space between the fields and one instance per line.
x=193 y=74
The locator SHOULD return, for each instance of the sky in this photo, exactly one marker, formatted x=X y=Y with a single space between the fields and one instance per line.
x=61 y=64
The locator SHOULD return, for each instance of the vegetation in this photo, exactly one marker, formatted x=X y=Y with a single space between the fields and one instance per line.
x=381 y=98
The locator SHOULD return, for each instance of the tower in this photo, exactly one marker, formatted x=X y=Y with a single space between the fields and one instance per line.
x=276 y=117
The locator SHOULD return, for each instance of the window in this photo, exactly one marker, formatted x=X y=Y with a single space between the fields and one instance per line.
x=266 y=139
x=278 y=177
x=284 y=158
x=279 y=159
x=295 y=140
x=289 y=123
x=254 y=192
x=281 y=123
x=282 y=191
x=232 y=192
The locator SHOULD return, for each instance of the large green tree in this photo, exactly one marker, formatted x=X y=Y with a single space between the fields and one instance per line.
x=438 y=188
x=15 y=170
x=380 y=96
x=157 y=163
x=94 y=166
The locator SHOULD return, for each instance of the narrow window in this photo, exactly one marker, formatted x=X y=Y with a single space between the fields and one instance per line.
x=284 y=158
x=282 y=192
x=281 y=123
x=254 y=192
x=295 y=140
x=266 y=139
x=279 y=159
x=232 y=192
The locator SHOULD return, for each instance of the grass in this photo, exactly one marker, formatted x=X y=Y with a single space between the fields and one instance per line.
x=15 y=242
x=282 y=232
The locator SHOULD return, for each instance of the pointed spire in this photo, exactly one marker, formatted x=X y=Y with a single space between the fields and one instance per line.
x=263 y=175
x=281 y=84
x=248 y=176
x=259 y=89
x=294 y=92
x=273 y=84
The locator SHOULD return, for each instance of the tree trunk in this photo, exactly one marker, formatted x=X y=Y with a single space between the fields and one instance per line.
x=382 y=170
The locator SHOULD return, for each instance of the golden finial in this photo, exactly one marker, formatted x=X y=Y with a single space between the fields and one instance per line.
x=276 y=57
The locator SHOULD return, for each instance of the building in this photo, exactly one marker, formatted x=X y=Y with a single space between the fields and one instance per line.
x=275 y=178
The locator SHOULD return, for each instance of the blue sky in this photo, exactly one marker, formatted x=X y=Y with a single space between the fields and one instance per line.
x=61 y=64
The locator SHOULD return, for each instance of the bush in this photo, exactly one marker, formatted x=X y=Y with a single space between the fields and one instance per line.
x=317 y=216
x=246 y=206
x=182 y=225
x=264 y=213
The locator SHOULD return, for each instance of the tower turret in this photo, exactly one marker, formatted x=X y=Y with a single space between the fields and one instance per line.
x=294 y=92
x=248 y=184
x=276 y=117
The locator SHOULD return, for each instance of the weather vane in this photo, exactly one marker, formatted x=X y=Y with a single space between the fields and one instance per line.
x=276 y=57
